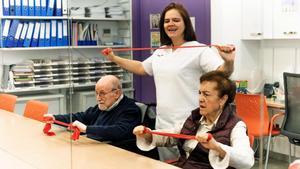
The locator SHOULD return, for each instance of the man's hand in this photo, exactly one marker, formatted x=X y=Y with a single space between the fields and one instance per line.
x=80 y=126
x=49 y=118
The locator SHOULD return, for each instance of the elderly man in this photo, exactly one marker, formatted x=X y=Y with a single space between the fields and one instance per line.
x=112 y=119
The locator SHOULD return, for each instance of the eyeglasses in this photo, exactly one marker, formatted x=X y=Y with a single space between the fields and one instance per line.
x=103 y=94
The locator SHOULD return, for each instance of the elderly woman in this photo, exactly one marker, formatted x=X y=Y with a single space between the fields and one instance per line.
x=229 y=146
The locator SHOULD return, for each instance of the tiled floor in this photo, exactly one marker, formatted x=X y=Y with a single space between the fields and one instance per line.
x=273 y=164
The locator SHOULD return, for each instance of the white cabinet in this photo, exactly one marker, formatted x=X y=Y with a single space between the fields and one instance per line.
x=270 y=19
x=286 y=15
x=252 y=19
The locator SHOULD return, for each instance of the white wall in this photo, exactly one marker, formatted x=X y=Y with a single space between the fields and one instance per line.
x=255 y=59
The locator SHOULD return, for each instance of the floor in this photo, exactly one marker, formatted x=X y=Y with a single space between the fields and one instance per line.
x=273 y=164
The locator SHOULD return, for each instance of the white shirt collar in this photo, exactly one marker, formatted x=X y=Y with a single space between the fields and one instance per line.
x=115 y=103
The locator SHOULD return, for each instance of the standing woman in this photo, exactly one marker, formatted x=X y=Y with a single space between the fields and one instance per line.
x=176 y=70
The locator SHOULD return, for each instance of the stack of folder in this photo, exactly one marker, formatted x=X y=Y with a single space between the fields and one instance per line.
x=42 y=33
x=34 y=7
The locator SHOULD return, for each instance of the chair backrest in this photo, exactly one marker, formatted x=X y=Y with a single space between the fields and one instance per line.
x=8 y=102
x=290 y=126
x=148 y=114
x=252 y=109
x=35 y=109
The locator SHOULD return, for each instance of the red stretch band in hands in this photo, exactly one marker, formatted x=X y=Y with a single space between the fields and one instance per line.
x=47 y=128
x=209 y=137
x=182 y=136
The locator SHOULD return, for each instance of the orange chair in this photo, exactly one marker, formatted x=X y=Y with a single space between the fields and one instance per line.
x=249 y=108
x=35 y=109
x=8 y=102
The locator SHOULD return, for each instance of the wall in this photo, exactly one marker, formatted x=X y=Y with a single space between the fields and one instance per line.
x=256 y=60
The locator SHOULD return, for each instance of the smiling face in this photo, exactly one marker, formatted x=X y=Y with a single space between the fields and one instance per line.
x=210 y=102
x=174 y=25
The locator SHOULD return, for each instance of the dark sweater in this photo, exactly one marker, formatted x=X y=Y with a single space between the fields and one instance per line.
x=114 y=125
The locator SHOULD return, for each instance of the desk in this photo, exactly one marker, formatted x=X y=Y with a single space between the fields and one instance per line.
x=274 y=104
x=24 y=145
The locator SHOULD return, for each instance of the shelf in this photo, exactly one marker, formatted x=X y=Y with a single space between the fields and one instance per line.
x=79 y=18
x=62 y=47
x=35 y=17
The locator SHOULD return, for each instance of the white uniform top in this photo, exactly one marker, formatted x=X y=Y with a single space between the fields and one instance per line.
x=176 y=76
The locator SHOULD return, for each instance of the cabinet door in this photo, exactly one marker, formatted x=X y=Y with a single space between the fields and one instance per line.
x=286 y=16
x=251 y=19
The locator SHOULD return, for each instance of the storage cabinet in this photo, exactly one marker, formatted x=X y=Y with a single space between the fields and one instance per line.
x=64 y=54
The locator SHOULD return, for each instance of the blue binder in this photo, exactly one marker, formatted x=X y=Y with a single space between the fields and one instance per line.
x=12 y=33
x=47 y=33
x=5 y=7
x=59 y=37
x=43 y=7
x=42 y=34
x=65 y=33
x=25 y=8
x=18 y=34
x=58 y=10
x=53 y=33
x=5 y=28
x=18 y=7
x=23 y=35
x=50 y=7
x=35 y=36
x=31 y=7
x=37 y=7
x=12 y=9
x=28 y=37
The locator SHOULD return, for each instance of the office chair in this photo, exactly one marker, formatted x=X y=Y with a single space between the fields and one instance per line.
x=290 y=125
x=249 y=108
x=148 y=115
x=35 y=109
x=8 y=102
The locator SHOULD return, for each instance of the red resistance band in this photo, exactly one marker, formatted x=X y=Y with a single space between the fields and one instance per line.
x=47 y=128
x=182 y=136
x=107 y=50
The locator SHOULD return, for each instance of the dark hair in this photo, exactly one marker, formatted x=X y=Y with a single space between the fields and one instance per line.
x=225 y=86
x=189 y=33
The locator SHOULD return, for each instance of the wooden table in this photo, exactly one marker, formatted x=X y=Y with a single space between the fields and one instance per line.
x=275 y=104
x=23 y=145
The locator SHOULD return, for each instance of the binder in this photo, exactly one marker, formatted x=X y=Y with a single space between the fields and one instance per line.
x=12 y=7
x=43 y=7
x=37 y=7
x=53 y=33
x=64 y=6
x=47 y=33
x=12 y=33
x=23 y=35
x=25 y=8
x=31 y=7
x=35 y=36
x=58 y=11
x=50 y=7
x=18 y=8
x=18 y=34
x=5 y=28
x=59 y=39
x=5 y=7
x=42 y=34
x=65 y=33
x=28 y=37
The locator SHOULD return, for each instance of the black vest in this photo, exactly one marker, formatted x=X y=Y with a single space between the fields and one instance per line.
x=221 y=133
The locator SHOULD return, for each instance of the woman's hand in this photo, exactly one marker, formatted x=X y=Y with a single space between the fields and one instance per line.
x=139 y=132
x=207 y=140
x=108 y=54
x=227 y=52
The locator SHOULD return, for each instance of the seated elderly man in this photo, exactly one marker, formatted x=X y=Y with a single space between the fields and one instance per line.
x=112 y=119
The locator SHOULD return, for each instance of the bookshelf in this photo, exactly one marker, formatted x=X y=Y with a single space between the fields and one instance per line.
x=81 y=64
